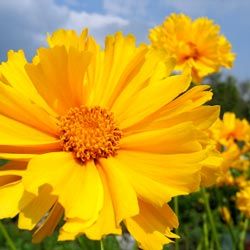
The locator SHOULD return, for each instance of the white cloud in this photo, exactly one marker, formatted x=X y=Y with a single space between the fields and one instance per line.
x=93 y=21
x=25 y=23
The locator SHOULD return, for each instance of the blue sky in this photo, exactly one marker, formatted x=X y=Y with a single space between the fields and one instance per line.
x=24 y=24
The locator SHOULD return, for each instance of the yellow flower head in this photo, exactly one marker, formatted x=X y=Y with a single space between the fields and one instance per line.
x=225 y=179
x=234 y=129
x=230 y=130
x=196 y=44
x=225 y=214
x=242 y=163
x=102 y=136
x=243 y=201
x=241 y=181
x=232 y=136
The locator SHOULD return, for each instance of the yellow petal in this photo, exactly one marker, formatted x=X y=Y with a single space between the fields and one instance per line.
x=17 y=157
x=58 y=76
x=14 y=74
x=63 y=235
x=68 y=38
x=36 y=209
x=160 y=177
x=152 y=226
x=22 y=109
x=120 y=60
x=106 y=223
x=202 y=117
x=152 y=98
x=149 y=69
x=78 y=187
x=123 y=195
x=74 y=227
x=211 y=169
x=16 y=137
x=14 y=133
x=10 y=196
x=181 y=138
x=11 y=172
x=191 y=99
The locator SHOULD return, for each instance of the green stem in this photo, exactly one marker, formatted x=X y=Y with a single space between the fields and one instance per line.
x=102 y=245
x=7 y=237
x=205 y=231
x=231 y=231
x=243 y=234
x=176 y=209
x=210 y=219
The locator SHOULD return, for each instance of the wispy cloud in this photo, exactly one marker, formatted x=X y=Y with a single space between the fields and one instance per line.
x=25 y=23
x=94 y=21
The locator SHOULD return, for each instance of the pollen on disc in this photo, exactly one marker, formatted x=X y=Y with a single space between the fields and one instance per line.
x=90 y=133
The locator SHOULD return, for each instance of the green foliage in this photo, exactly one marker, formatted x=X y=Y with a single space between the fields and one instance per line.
x=22 y=241
x=228 y=93
x=110 y=242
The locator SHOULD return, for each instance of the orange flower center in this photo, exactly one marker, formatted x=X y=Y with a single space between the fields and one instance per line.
x=190 y=52
x=90 y=133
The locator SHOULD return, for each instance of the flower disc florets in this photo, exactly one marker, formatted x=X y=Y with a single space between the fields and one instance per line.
x=90 y=133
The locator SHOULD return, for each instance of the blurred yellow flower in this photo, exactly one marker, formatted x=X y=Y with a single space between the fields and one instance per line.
x=242 y=163
x=233 y=129
x=243 y=201
x=196 y=44
x=103 y=136
x=225 y=214
x=225 y=179
x=232 y=136
x=241 y=181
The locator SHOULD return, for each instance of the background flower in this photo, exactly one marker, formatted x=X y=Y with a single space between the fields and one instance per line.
x=196 y=44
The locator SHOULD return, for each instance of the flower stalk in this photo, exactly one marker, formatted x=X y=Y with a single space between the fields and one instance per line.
x=243 y=234
x=7 y=237
x=210 y=219
x=176 y=209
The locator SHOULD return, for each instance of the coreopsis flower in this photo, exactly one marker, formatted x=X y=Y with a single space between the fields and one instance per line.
x=242 y=163
x=100 y=137
x=232 y=136
x=197 y=44
x=233 y=129
x=225 y=214
x=241 y=181
x=225 y=179
x=243 y=201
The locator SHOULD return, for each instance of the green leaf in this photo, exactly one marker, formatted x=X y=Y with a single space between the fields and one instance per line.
x=111 y=243
x=87 y=244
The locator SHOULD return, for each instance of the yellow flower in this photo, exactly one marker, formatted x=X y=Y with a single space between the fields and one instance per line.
x=225 y=214
x=243 y=201
x=225 y=178
x=233 y=129
x=229 y=133
x=242 y=163
x=196 y=44
x=241 y=181
x=103 y=136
